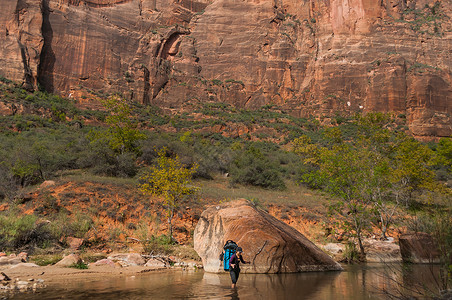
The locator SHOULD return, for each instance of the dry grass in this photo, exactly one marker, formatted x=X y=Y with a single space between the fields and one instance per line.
x=294 y=196
x=46 y=259
x=185 y=252
x=219 y=189
x=82 y=176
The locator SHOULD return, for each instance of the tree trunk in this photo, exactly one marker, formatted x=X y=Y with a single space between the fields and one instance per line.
x=361 y=246
x=170 y=224
x=383 y=234
x=383 y=228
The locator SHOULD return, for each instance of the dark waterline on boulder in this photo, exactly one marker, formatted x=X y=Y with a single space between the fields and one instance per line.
x=355 y=283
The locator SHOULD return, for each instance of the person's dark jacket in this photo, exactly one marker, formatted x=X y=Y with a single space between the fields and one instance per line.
x=235 y=260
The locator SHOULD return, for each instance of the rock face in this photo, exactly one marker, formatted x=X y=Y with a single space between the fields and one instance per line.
x=382 y=251
x=9 y=261
x=74 y=243
x=418 y=247
x=103 y=262
x=13 y=259
x=155 y=263
x=69 y=260
x=127 y=259
x=316 y=57
x=21 y=40
x=269 y=244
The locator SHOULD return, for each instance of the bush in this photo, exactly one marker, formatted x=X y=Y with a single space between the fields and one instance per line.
x=35 y=155
x=8 y=186
x=80 y=265
x=151 y=243
x=45 y=260
x=211 y=159
x=251 y=167
x=351 y=253
x=104 y=161
x=64 y=226
x=22 y=232
x=158 y=244
x=211 y=156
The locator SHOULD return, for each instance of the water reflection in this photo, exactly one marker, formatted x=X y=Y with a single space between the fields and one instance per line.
x=356 y=282
x=265 y=286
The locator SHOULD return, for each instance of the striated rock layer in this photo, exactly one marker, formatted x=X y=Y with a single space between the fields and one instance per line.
x=312 y=57
x=269 y=244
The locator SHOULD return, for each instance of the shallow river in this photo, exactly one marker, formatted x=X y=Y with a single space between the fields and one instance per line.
x=355 y=282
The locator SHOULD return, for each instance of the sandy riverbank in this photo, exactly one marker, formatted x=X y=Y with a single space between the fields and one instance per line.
x=54 y=274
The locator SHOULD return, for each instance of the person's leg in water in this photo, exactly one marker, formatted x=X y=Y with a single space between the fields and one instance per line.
x=234 y=276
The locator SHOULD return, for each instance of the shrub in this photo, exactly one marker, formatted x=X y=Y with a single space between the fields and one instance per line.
x=79 y=265
x=45 y=260
x=22 y=231
x=212 y=156
x=35 y=155
x=8 y=186
x=5 y=80
x=351 y=253
x=217 y=82
x=104 y=161
x=49 y=205
x=92 y=257
x=63 y=225
x=253 y=168
x=158 y=244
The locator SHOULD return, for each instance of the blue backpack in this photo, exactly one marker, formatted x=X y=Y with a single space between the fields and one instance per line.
x=229 y=249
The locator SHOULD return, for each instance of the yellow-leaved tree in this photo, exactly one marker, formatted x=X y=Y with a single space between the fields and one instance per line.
x=170 y=179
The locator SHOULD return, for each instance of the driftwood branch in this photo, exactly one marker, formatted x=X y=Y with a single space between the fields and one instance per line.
x=134 y=239
x=5 y=277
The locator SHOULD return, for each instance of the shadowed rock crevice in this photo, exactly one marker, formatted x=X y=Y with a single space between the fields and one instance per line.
x=171 y=46
x=96 y=3
x=146 y=87
x=259 y=251
x=47 y=57
x=28 y=84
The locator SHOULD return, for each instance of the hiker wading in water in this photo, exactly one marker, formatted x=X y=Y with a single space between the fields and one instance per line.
x=234 y=266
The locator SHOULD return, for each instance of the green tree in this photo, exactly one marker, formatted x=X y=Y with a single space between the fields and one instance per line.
x=171 y=180
x=123 y=134
x=114 y=151
x=412 y=171
x=375 y=186
x=344 y=172
x=373 y=136
x=372 y=132
x=444 y=152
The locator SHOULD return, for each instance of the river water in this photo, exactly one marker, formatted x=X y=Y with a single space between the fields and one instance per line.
x=355 y=282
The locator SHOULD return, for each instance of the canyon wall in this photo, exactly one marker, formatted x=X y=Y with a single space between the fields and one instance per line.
x=311 y=57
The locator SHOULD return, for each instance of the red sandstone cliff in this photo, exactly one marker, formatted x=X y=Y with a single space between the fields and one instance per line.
x=318 y=57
